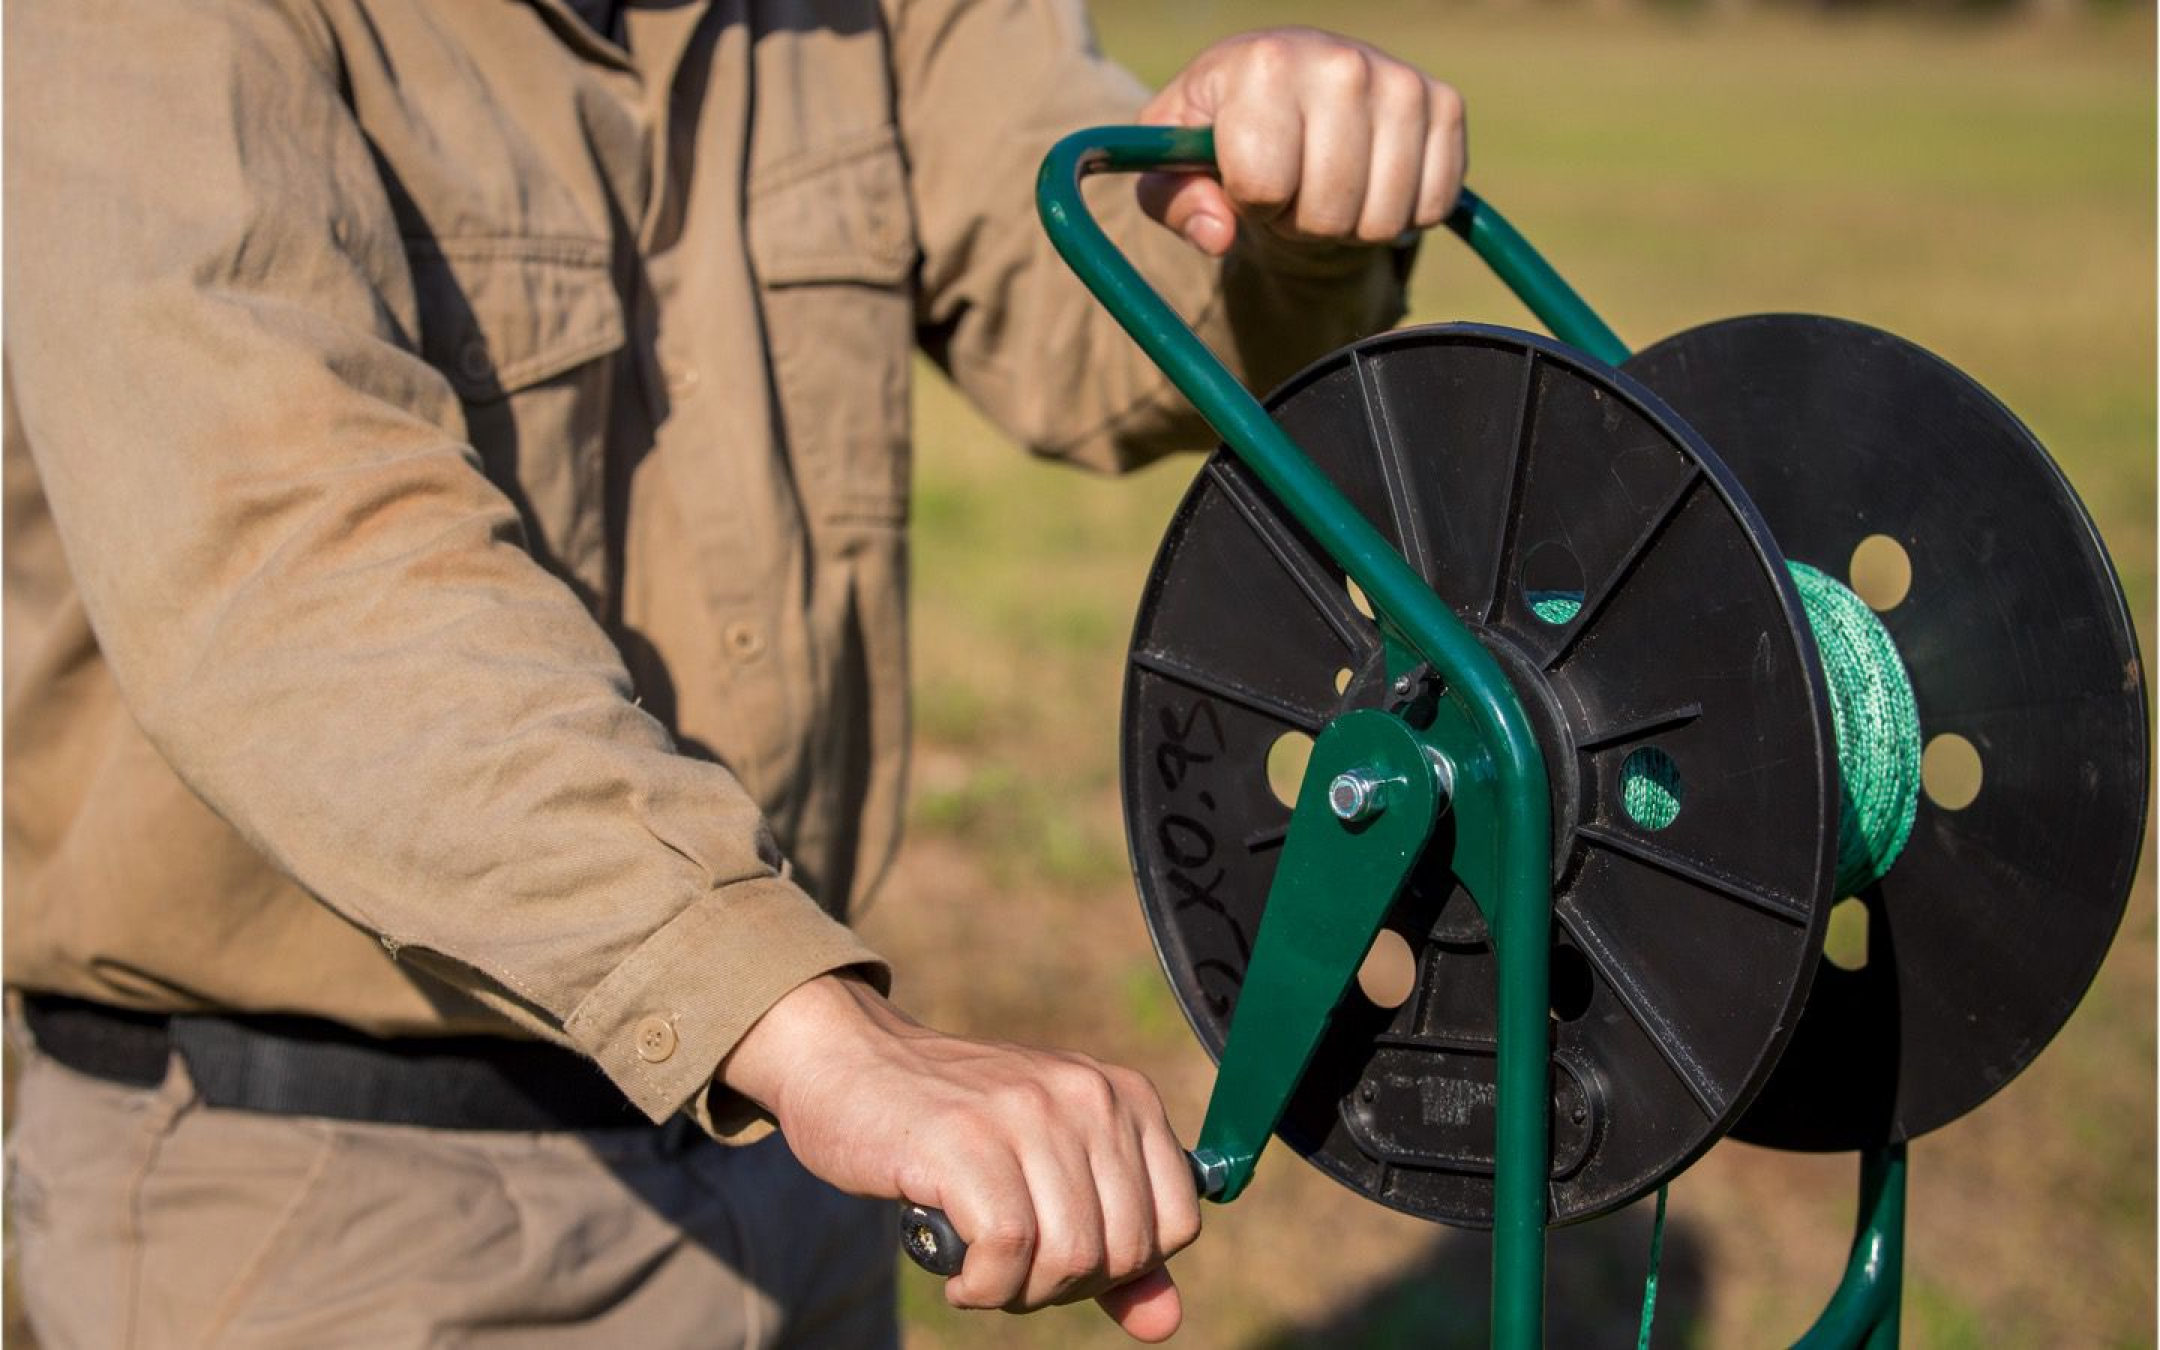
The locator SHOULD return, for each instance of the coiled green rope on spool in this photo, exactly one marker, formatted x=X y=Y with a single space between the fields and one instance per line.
x=1555 y=607
x=1874 y=720
x=1876 y=723
x=1650 y=789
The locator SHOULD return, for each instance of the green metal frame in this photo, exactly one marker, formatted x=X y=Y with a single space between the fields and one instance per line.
x=1478 y=758
x=1863 y=1313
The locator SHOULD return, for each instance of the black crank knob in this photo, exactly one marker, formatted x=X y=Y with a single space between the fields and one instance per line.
x=927 y=1236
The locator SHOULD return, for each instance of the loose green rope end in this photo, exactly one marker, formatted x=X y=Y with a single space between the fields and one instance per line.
x=1649 y=1289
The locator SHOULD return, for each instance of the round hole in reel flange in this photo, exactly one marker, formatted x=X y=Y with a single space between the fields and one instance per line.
x=1992 y=922
x=1880 y=572
x=1574 y=985
x=1951 y=772
x=1388 y=975
x=1467 y=445
x=1845 y=941
x=1552 y=583
x=1358 y=600
x=1286 y=760
x=1651 y=789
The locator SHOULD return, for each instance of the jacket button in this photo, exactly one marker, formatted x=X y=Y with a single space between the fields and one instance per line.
x=473 y=360
x=656 y=1038
x=744 y=643
x=889 y=236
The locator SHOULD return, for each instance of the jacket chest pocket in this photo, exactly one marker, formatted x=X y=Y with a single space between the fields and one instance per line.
x=833 y=243
x=524 y=329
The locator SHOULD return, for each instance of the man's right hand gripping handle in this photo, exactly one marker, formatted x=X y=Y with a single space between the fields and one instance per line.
x=931 y=1241
x=1063 y=1172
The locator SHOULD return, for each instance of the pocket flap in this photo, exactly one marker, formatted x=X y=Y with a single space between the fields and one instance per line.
x=835 y=214
x=497 y=315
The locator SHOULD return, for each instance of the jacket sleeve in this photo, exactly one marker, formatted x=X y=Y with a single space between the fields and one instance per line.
x=314 y=602
x=985 y=87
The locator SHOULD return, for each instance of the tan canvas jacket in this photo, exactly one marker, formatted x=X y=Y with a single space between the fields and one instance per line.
x=457 y=477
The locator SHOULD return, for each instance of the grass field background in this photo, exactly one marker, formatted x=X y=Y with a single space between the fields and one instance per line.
x=1985 y=190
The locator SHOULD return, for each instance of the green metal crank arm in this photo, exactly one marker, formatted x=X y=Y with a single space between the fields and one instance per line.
x=1500 y=781
x=1343 y=864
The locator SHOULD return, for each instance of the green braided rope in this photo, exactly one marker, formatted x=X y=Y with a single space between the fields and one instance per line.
x=1650 y=788
x=1555 y=607
x=1871 y=712
x=1657 y=1257
x=1877 y=728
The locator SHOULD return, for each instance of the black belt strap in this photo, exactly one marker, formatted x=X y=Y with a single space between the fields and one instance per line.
x=302 y=1066
x=129 y=1048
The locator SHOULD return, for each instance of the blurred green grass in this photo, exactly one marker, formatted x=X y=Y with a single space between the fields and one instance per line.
x=1987 y=190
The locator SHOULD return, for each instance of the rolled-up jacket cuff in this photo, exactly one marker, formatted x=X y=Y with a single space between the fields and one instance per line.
x=662 y=1021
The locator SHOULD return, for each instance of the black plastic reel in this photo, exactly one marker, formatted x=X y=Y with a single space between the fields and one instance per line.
x=1517 y=477
x=1991 y=925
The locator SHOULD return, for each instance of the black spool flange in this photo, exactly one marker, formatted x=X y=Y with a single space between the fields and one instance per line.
x=1515 y=475
x=1993 y=922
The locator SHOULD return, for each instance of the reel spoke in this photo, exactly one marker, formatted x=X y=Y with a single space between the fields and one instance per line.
x=1596 y=596
x=1696 y=873
x=1397 y=474
x=1648 y=1013
x=1297 y=557
x=1305 y=719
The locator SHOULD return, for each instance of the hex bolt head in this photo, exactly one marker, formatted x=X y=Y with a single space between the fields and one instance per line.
x=1356 y=795
x=1210 y=1172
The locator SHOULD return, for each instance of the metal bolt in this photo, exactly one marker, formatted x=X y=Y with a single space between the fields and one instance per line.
x=1403 y=685
x=1356 y=795
x=1211 y=1172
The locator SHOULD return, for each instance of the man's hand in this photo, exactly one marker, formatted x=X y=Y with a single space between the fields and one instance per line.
x=1061 y=1173
x=1318 y=138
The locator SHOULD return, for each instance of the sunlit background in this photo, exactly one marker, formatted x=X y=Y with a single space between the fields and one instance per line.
x=1978 y=178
